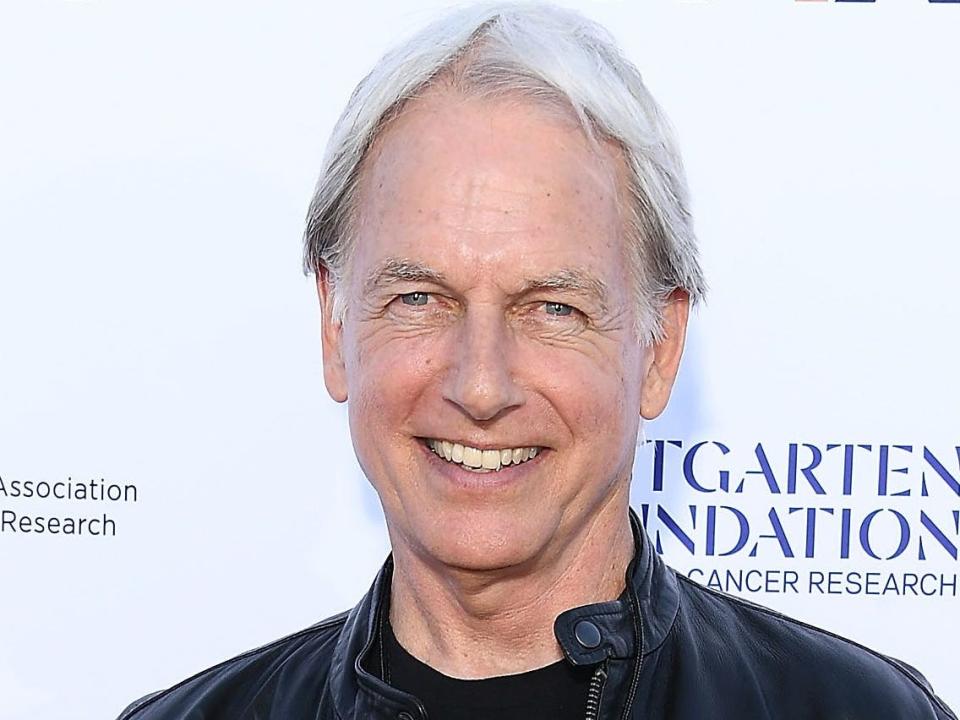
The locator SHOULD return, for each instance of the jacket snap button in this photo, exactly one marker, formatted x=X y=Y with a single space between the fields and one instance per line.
x=587 y=634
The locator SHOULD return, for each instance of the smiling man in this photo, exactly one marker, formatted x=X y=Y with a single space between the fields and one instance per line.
x=505 y=264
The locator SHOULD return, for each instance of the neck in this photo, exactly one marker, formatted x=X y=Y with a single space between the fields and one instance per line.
x=470 y=624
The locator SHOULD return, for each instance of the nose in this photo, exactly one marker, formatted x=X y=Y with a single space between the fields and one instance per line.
x=480 y=381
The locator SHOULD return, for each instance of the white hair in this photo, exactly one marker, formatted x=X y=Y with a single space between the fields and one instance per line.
x=553 y=56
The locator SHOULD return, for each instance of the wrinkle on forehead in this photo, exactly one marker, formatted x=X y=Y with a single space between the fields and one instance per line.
x=492 y=170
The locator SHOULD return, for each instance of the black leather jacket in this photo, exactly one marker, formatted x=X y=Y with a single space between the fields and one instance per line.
x=667 y=648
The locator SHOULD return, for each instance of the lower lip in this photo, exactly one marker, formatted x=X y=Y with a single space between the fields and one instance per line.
x=467 y=479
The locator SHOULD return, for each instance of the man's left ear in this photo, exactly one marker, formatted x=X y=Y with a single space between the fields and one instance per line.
x=664 y=359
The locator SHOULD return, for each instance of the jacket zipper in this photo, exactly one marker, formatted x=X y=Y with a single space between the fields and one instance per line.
x=595 y=691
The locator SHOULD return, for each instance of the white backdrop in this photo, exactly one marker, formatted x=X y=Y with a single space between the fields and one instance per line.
x=156 y=160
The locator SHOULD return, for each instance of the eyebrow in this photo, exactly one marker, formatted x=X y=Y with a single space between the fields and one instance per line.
x=397 y=270
x=570 y=280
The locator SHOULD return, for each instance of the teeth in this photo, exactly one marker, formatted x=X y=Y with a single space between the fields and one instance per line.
x=472 y=457
x=491 y=459
x=481 y=460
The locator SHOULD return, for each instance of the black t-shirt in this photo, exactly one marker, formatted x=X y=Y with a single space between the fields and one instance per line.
x=554 y=692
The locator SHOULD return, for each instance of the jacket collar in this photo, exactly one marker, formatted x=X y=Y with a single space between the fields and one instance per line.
x=630 y=627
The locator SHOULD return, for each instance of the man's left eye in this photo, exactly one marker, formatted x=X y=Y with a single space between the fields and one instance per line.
x=414 y=298
x=559 y=309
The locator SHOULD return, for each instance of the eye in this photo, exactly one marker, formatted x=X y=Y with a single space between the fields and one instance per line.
x=414 y=298
x=558 y=309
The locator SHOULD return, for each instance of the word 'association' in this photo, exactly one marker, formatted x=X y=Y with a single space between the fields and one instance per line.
x=16 y=522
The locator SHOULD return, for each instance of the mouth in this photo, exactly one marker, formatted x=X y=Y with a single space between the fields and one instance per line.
x=479 y=460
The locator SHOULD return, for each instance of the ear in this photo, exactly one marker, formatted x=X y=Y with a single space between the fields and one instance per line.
x=331 y=336
x=664 y=360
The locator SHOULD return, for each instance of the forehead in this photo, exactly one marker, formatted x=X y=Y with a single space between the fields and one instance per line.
x=488 y=178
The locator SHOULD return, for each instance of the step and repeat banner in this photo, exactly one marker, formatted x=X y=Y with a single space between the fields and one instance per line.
x=176 y=486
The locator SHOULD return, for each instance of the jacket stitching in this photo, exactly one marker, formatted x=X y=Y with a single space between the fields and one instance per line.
x=673 y=622
x=637 y=617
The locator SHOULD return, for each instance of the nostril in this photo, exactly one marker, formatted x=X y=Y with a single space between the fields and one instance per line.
x=484 y=399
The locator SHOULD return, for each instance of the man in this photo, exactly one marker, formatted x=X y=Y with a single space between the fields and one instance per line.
x=505 y=262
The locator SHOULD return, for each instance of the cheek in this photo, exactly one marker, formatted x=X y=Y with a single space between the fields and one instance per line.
x=388 y=376
x=593 y=394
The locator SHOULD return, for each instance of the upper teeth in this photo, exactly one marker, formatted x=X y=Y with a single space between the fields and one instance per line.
x=473 y=457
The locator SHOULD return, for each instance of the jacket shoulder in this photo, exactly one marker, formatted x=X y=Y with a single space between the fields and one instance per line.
x=806 y=663
x=228 y=688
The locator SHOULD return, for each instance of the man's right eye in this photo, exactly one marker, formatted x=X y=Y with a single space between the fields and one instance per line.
x=414 y=298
